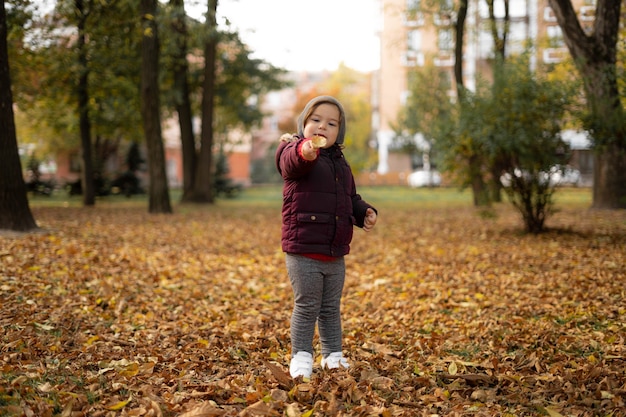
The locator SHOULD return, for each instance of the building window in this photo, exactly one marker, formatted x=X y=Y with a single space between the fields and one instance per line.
x=555 y=36
x=518 y=37
x=413 y=16
x=414 y=40
x=404 y=97
x=498 y=10
x=444 y=40
x=413 y=5
x=485 y=44
x=446 y=10
x=548 y=14
x=556 y=50
x=414 y=20
x=587 y=13
x=442 y=19
x=518 y=9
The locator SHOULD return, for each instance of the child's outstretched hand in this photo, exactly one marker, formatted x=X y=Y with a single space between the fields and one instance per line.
x=370 y=220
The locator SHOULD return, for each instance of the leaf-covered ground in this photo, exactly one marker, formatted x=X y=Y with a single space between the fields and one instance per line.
x=111 y=311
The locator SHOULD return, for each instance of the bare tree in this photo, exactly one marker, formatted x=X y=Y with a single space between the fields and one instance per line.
x=15 y=212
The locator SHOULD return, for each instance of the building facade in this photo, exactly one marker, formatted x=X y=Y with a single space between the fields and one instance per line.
x=411 y=37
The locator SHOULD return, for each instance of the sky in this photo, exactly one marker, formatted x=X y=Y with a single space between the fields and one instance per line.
x=310 y=35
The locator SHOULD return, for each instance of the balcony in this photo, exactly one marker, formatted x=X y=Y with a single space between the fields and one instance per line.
x=554 y=55
x=444 y=59
x=413 y=59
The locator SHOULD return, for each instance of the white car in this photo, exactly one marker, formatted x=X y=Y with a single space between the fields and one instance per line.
x=564 y=176
x=557 y=176
x=421 y=178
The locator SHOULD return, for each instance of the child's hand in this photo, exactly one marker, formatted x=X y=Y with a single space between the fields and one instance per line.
x=309 y=152
x=370 y=220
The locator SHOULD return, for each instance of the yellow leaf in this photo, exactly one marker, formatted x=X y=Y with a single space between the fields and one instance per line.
x=553 y=413
x=452 y=368
x=119 y=405
x=131 y=370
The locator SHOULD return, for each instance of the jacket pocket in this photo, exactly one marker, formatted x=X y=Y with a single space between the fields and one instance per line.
x=315 y=228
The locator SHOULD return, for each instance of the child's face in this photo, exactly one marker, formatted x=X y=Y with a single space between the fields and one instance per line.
x=324 y=121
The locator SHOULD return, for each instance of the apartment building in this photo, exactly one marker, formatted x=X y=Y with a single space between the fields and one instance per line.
x=411 y=37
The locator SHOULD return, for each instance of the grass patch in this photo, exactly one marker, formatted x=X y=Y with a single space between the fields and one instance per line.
x=271 y=195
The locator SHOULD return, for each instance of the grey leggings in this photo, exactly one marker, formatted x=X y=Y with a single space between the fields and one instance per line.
x=317 y=288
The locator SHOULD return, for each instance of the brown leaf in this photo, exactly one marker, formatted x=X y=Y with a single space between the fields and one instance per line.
x=204 y=410
x=281 y=376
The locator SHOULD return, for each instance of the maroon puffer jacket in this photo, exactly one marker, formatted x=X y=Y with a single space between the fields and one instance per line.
x=320 y=203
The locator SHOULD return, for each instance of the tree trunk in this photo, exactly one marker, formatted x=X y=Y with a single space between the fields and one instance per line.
x=458 y=49
x=608 y=128
x=15 y=212
x=480 y=191
x=183 y=103
x=609 y=171
x=87 y=178
x=203 y=190
x=595 y=57
x=159 y=199
x=479 y=188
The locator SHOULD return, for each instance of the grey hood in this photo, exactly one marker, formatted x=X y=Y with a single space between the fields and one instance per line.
x=311 y=105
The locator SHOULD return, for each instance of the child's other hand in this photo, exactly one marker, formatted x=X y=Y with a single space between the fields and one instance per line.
x=370 y=220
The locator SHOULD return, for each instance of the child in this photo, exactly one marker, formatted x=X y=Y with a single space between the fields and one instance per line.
x=320 y=207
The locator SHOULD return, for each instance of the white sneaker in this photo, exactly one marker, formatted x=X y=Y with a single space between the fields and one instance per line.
x=335 y=360
x=301 y=365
